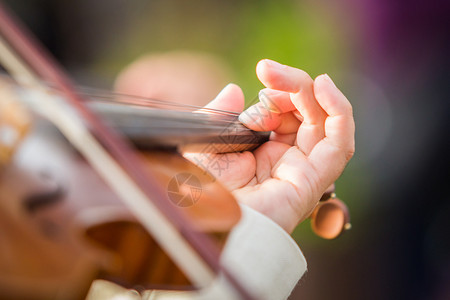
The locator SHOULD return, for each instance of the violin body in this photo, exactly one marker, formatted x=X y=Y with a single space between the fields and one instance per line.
x=63 y=227
x=40 y=196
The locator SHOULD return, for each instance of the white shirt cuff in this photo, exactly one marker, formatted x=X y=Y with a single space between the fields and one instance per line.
x=263 y=256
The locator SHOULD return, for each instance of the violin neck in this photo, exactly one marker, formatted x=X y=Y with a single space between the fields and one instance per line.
x=153 y=129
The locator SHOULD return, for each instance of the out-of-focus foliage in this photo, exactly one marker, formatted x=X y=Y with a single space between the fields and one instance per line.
x=240 y=32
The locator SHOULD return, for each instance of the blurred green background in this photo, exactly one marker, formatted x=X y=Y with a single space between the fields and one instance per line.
x=389 y=58
x=239 y=32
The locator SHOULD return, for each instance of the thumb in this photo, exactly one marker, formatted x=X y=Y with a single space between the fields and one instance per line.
x=231 y=98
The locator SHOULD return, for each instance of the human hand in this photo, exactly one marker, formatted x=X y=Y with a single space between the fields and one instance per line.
x=312 y=140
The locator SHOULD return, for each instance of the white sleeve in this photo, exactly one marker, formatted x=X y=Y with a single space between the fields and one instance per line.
x=260 y=255
x=264 y=257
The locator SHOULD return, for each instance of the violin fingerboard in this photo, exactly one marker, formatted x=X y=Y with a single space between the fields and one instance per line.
x=154 y=129
x=215 y=148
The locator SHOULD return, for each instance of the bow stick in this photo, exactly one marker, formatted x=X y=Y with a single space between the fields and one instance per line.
x=111 y=156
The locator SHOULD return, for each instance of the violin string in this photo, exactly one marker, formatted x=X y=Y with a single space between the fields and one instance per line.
x=138 y=100
x=171 y=118
x=230 y=117
x=101 y=95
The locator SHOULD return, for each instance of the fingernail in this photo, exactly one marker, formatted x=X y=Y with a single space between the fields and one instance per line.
x=223 y=90
x=249 y=115
x=265 y=97
x=218 y=97
x=274 y=64
x=298 y=115
x=328 y=79
x=245 y=117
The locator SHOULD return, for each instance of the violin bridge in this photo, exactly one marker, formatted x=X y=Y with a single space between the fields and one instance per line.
x=15 y=122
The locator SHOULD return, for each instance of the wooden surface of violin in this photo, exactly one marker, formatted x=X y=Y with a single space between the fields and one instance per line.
x=67 y=227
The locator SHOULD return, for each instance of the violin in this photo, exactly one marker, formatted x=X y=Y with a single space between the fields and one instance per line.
x=90 y=186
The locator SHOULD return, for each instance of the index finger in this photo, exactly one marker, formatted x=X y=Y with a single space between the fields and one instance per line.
x=301 y=86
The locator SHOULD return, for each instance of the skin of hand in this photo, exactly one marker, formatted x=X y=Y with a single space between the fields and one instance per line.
x=311 y=142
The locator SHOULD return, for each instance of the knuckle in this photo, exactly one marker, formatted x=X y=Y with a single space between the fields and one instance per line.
x=347 y=107
x=350 y=152
x=304 y=79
